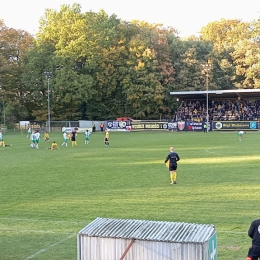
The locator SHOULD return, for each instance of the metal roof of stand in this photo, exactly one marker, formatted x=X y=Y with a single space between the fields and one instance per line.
x=162 y=231
x=218 y=94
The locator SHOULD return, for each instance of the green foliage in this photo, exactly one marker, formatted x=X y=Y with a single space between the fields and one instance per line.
x=48 y=196
x=246 y=56
x=103 y=67
x=236 y=47
x=14 y=45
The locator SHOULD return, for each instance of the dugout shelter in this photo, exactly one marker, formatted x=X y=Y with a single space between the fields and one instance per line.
x=129 y=239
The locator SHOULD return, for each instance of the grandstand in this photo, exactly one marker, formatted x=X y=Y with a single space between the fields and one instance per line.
x=233 y=105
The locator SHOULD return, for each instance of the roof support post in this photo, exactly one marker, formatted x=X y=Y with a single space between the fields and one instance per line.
x=127 y=249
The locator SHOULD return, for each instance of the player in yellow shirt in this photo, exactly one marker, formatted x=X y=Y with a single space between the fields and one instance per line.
x=2 y=143
x=54 y=146
x=46 y=136
x=106 y=138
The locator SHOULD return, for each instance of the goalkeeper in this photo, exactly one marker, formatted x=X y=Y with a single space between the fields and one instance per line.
x=172 y=158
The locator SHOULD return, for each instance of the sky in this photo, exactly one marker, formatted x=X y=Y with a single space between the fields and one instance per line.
x=187 y=16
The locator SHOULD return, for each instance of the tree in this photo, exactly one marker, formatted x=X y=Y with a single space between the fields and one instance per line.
x=224 y=34
x=14 y=45
x=246 y=58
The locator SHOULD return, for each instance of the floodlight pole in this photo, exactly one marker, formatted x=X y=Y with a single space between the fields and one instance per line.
x=4 y=112
x=207 y=82
x=207 y=68
x=48 y=76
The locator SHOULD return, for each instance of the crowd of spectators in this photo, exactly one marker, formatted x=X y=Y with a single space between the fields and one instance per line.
x=235 y=110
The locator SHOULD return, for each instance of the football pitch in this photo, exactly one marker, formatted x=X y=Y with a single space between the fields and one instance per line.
x=48 y=196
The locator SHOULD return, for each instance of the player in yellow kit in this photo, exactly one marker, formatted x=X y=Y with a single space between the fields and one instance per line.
x=46 y=136
x=54 y=146
x=106 y=138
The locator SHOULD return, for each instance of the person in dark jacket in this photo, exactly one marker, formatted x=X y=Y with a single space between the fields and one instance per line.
x=172 y=158
x=254 y=233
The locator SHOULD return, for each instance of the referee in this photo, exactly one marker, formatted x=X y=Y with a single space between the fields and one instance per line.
x=173 y=158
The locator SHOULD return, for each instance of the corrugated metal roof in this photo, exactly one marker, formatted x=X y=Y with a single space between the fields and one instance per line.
x=149 y=230
x=218 y=94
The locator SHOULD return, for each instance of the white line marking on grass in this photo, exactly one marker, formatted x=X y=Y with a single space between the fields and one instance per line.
x=207 y=150
x=42 y=220
x=49 y=247
x=232 y=232
x=33 y=231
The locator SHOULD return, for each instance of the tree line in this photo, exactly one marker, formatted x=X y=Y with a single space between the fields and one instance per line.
x=102 y=67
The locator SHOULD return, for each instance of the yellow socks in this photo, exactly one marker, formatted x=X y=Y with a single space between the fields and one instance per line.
x=173 y=177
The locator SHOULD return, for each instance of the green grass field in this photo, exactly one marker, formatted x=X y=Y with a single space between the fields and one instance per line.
x=48 y=196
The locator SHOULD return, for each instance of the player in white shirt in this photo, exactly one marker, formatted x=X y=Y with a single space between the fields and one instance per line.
x=240 y=134
x=65 y=139
x=87 y=136
x=33 y=140
x=29 y=132
x=37 y=139
x=2 y=143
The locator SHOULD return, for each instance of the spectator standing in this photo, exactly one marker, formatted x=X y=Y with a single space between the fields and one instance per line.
x=93 y=127
x=205 y=127
x=254 y=233
x=101 y=126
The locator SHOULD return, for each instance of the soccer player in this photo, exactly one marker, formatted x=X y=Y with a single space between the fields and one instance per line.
x=106 y=138
x=1 y=136
x=2 y=143
x=65 y=139
x=29 y=132
x=46 y=136
x=37 y=139
x=173 y=158
x=254 y=233
x=54 y=146
x=87 y=136
x=33 y=140
x=240 y=135
x=73 y=138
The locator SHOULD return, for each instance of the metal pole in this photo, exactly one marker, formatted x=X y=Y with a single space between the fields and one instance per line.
x=4 y=112
x=49 y=107
x=207 y=68
x=207 y=100
x=48 y=76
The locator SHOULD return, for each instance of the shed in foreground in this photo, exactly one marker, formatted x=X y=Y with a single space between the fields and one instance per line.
x=126 y=239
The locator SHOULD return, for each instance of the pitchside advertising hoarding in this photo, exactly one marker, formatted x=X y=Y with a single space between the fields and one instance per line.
x=186 y=126
x=235 y=125
x=140 y=125
x=119 y=125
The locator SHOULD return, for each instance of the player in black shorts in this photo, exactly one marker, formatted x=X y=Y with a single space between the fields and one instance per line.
x=173 y=158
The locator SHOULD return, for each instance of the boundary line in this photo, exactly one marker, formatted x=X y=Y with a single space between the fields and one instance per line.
x=33 y=231
x=42 y=220
x=207 y=150
x=49 y=247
